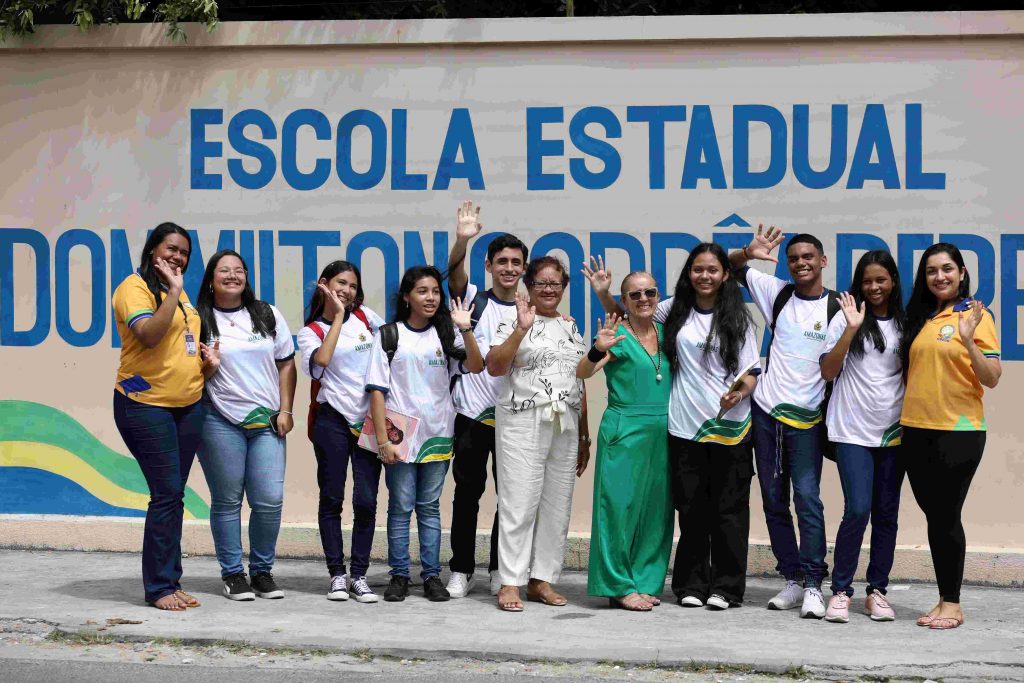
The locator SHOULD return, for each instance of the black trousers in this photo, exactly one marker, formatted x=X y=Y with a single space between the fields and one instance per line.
x=474 y=441
x=940 y=466
x=711 y=491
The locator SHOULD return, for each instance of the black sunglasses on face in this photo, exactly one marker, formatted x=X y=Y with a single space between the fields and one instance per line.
x=650 y=293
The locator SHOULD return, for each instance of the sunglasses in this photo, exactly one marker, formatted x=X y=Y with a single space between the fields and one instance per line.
x=650 y=293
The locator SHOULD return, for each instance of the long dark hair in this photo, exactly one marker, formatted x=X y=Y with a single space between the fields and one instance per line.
x=442 y=318
x=154 y=240
x=729 y=323
x=315 y=307
x=922 y=303
x=258 y=311
x=870 y=329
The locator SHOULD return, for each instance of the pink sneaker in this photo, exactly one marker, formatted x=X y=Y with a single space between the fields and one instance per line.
x=877 y=607
x=838 y=608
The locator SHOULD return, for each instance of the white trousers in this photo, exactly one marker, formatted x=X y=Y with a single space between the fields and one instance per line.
x=536 y=475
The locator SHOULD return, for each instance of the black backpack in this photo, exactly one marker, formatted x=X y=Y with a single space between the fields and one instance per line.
x=389 y=331
x=828 y=449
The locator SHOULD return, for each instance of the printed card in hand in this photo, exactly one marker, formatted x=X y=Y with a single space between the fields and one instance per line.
x=401 y=430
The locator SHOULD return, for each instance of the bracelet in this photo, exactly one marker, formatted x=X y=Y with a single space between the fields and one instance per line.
x=585 y=439
x=745 y=252
x=464 y=331
x=286 y=412
x=595 y=354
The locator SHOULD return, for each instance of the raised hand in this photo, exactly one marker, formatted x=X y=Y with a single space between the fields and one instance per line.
x=854 y=314
x=599 y=278
x=525 y=313
x=467 y=221
x=969 y=324
x=606 y=337
x=763 y=243
x=333 y=306
x=211 y=357
x=170 y=276
x=462 y=313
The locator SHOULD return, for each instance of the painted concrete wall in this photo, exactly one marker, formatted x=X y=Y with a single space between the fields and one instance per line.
x=631 y=138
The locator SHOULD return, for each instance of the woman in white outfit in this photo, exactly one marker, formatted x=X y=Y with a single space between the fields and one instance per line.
x=542 y=438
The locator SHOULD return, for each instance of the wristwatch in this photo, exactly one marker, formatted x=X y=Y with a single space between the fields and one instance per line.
x=585 y=439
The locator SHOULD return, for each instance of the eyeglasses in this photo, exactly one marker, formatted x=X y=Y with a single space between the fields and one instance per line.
x=553 y=286
x=650 y=293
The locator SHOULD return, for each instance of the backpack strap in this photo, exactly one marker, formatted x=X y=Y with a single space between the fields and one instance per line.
x=317 y=330
x=358 y=312
x=781 y=299
x=833 y=306
x=389 y=340
x=480 y=301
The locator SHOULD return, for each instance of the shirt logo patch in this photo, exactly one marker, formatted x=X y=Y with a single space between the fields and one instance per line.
x=817 y=326
x=438 y=353
x=362 y=336
x=946 y=333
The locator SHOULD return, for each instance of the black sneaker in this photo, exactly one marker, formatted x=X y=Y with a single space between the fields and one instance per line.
x=263 y=584
x=435 y=591
x=237 y=588
x=397 y=589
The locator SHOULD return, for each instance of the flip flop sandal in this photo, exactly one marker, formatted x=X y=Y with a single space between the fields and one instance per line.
x=173 y=608
x=653 y=599
x=945 y=623
x=924 y=620
x=189 y=600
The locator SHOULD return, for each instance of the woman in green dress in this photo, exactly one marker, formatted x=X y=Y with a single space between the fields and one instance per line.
x=631 y=530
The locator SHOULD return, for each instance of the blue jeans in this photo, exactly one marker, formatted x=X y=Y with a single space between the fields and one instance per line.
x=237 y=461
x=334 y=446
x=871 y=478
x=415 y=486
x=163 y=442
x=786 y=454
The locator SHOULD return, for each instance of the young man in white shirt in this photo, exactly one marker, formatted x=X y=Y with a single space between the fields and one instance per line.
x=475 y=394
x=787 y=410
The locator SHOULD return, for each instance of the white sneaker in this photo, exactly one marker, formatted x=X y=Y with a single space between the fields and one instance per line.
x=460 y=584
x=494 y=583
x=359 y=590
x=691 y=601
x=787 y=598
x=717 y=602
x=339 y=588
x=814 y=604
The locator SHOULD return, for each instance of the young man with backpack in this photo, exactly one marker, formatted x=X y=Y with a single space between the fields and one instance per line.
x=788 y=410
x=474 y=394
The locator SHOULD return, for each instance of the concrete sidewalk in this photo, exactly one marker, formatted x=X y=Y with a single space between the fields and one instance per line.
x=78 y=592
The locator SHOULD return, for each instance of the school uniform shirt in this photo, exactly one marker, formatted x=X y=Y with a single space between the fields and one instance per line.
x=475 y=394
x=171 y=373
x=343 y=381
x=699 y=382
x=246 y=388
x=543 y=373
x=868 y=394
x=791 y=389
x=942 y=390
x=416 y=383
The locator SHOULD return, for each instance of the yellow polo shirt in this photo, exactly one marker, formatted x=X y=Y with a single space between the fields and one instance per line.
x=165 y=375
x=942 y=390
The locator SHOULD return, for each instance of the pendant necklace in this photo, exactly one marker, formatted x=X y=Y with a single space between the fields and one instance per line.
x=657 y=366
x=231 y=319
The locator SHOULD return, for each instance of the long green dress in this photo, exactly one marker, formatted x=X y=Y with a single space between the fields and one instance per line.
x=631 y=529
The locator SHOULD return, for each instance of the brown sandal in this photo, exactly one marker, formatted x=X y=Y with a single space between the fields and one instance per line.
x=945 y=623
x=172 y=605
x=189 y=600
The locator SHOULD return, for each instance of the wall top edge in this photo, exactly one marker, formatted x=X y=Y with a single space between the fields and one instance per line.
x=557 y=30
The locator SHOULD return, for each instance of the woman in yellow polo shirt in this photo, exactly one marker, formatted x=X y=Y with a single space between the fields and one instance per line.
x=157 y=395
x=950 y=351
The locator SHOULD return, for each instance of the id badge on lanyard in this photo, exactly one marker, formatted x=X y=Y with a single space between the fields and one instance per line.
x=190 y=343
